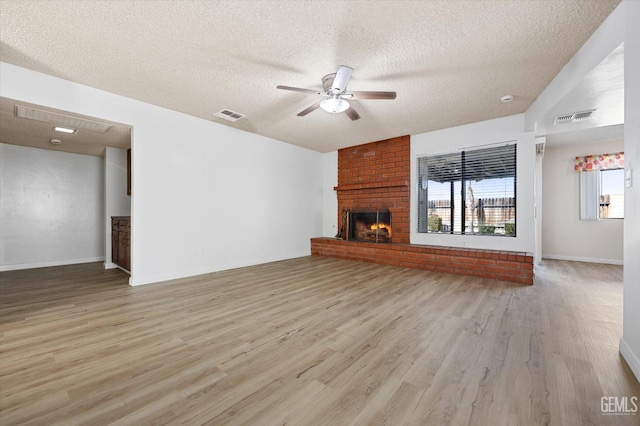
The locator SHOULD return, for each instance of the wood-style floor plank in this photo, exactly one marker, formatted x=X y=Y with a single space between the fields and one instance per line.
x=312 y=341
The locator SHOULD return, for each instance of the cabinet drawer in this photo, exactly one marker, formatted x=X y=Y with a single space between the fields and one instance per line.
x=120 y=223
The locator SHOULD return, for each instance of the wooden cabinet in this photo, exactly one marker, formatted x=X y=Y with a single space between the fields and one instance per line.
x=120 y=241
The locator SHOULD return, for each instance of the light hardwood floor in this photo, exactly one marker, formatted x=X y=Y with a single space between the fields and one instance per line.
x=312 y=341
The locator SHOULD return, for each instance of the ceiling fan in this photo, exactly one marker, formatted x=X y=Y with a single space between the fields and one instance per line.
x=336 y=95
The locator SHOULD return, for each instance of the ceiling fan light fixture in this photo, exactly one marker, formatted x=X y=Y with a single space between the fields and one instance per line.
x=334 y=105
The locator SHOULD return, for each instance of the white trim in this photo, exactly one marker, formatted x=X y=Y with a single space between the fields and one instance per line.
x=123 y=269
x=47 y=264
x=631 y=358
x=110 y=265
x=582 y=259
x=537 y=203
x=488 y=145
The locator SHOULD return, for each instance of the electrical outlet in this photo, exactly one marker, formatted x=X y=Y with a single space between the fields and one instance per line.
x=628 y=178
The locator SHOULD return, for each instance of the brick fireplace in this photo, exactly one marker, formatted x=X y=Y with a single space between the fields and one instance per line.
x=375 y=178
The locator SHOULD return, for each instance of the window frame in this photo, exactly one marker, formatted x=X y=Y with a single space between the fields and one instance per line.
x=600 y=194
x=423 y=201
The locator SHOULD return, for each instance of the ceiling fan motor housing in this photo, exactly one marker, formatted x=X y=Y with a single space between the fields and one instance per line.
x=327 y=81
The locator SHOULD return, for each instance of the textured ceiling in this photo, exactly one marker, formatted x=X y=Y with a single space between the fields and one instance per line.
x=449 y=61
x=38 y=134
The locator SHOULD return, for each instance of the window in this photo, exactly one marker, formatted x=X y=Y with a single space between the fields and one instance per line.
x=601 y=186
x=468 y=192
x=612 y=194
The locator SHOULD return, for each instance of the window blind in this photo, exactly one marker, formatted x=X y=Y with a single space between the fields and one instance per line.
x=468 y=192
x=589 y=195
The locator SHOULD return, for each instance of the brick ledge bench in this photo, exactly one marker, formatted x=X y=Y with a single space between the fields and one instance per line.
x=501 y=265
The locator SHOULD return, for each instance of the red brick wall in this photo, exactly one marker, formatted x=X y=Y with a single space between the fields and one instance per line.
x=501 y=265
x=376 y=176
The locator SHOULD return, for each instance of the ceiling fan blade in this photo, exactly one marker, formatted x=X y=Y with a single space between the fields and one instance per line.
x=300 y=89
x=370 y=95
x=352 y=114
x=341 y=79
x=309 y=109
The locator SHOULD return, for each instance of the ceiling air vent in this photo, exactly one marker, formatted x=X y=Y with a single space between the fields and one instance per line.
x=573 y=118
x=60 y=119
x=580 y=116
x=229 y=115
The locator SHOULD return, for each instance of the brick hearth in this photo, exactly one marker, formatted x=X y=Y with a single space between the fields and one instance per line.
x=501 y=265
x=376 y=176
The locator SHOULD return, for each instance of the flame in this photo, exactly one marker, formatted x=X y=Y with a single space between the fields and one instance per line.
x=382 y=226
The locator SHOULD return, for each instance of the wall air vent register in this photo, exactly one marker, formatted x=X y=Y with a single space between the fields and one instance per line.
x=574 y=117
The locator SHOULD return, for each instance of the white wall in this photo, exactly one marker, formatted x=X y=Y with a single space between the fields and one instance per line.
x=630 y=343
x=208 y=197
x=330 y=196
x=51 y=208
x=487 y=132
x=116 y=200
x=205 y=197
x=564 y=235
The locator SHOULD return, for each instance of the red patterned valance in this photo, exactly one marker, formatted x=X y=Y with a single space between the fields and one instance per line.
x=599 y=162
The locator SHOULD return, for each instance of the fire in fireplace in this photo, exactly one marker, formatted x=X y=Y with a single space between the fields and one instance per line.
x=371 y=226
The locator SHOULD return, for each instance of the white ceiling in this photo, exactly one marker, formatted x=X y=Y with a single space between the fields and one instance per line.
x=601 y=91
x=449 y=61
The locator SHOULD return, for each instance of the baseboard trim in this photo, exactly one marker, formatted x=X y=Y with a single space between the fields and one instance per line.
x=52 y=263
x=631 y=358
x=582 y=259
x=209 y=270
x=110 y=265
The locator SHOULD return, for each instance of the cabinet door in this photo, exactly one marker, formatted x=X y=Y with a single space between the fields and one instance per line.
x=120 y=237
x=114 y=246
x=121 y=249
x=126 y=252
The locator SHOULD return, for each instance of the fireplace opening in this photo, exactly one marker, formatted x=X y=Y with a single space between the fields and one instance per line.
x=370 y=226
